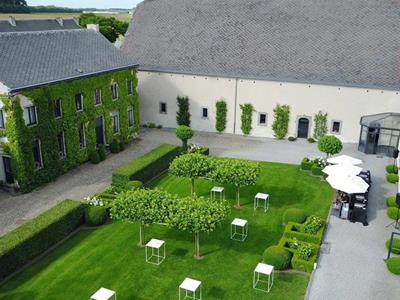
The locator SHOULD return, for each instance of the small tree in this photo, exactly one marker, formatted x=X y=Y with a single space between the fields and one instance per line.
x=183 y=114
x=198 y=215
x=192 y=165
x=320 y=124
x=143 y=206
x=246 y=118
x=240 y=173
x=220 y=117
x=184 y=133
x=281 y=121
x=330 y=144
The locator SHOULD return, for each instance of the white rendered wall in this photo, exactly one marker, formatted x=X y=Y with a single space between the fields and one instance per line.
x=343 y=104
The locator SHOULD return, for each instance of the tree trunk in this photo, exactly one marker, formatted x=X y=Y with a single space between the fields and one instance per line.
x=184 y=145
x=197 y=245
x=237 y=197
x=141 y=235
x=193 y=191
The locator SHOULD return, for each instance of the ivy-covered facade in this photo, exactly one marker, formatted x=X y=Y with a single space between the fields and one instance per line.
x=50 y=129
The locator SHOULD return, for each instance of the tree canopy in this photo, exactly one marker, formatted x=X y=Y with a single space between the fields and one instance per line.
x=13 y=6
x=330 y=144
x=184 y=133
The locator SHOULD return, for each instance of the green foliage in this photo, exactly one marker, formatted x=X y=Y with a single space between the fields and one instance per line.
x=14 y=6
x=240 y=173
x=246 y=117
x=281 y=121
x=304 y=251
x=32 y=238
x=306 y=164
x=102 y=152
x=110 y=27
x=134 y=185
x=95 y=215
x=391 y=201
x=330 y=145
x=393 y=265
x=292 y=139
x=146 y=167
x=220 y=118
x=392 y=169
x=21 y=137
x=183 y=114
x=184 y=133
x=392 y=178
x=310 y=140
x=392 y=213
x=296 y=215
x=296 y=230
x=395 y=246
x=192 y=148
x=278 y=257
x=192 y=165
x=115 y=146
x=320 y=124
x=94 y=157
x=316 y=170
x=313 y=224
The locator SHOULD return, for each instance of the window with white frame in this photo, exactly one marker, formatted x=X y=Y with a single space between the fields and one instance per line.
x=262 y=119
x=30 y=115
x=336 y=127
x=129 y=84
x=131 y=116
x=114 y=91
x=79 y=102
x=204 y=113
x=82 y=136
x=62 y=153
x=37 y=154
x=57 y=109
x=115 y=119
x=2 y=119
x=97 y=96
x=163 y=108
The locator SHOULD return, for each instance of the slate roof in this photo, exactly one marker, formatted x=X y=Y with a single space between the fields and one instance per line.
x=341 y=42
x=37 y=25
x=35 y=58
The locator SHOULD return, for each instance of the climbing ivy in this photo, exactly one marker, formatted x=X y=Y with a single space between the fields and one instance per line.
x=220 y=117
x=281 y=121
x=183 y=114
x=320 y=124
x=21 y=138
x=247 y=116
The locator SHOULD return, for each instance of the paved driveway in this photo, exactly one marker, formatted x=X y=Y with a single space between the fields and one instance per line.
x=351 y=268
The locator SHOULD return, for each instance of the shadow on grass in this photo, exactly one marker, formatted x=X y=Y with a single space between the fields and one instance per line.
x=180 y=252
x=217 y=292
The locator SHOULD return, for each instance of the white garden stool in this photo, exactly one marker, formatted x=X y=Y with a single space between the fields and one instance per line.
x=262 y=197
x=155 y=256
x=104 y=294
x=189 y=287
x=263 y=284
x=239 y=229
x=217 y=190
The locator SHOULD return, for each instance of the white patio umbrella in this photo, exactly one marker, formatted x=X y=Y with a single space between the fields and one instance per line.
x=348 y=183
x=342 y=169
x=344 y=159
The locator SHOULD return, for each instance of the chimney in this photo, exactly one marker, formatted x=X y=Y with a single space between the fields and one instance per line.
x=11 y=20
x=94 y=27
x=60 y=21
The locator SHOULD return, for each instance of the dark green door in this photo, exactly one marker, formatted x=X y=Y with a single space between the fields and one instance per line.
x=100 y=130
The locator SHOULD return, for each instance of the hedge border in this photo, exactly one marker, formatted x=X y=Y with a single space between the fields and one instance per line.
x=301 y=236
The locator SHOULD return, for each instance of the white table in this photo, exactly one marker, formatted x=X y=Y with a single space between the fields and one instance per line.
x=155 y=246
x=266 y=270
x=190 y=286
x=219 y=190
x=103 y=294
x=244 y=229
x=262 y=197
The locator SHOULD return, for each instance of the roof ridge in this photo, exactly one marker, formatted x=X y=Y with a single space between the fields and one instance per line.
x=38 y=32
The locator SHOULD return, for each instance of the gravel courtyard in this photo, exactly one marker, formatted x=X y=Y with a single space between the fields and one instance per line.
x=351 y=265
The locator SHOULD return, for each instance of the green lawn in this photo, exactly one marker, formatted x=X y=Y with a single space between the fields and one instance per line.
x=108 y=256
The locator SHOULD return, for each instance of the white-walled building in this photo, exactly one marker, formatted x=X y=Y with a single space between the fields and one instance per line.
x=338 y=57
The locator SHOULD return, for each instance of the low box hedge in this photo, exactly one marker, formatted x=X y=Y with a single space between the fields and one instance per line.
x=295 y=230
x=306 y=164
x=316 y=170
x=31 y=239
x=146 y=167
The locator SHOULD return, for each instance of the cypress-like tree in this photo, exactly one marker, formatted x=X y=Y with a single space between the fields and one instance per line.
x=183 y=115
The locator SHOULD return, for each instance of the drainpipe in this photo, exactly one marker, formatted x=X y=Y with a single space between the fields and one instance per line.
x=234 y=113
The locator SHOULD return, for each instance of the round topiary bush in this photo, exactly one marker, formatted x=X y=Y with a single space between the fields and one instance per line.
x=392 y=178
x=330 y=144
x=393 y=265
x=391 y=201
x=114 y=146
x=395 y=246
x=292 y=138
x=294 y=215
x=310 y=140
x=95 y=215
x=278 y=257
x=134 y=185
x=392 y=169
x=392 y=212
x=94 y=157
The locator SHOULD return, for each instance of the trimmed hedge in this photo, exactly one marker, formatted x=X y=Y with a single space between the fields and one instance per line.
x=395 y=246
x=278 y=257
x=31 y=239
x=306 y=164
x=95 y=215
x=146 y=167
x=392 y=178
x=316 y=170
x=204 y=150
x=393 y=265
x=296 y=230
x=392 y=169
x=392 y=213
x=391 y=201
x=296 y=262
x=294 y=215
x=134 y=185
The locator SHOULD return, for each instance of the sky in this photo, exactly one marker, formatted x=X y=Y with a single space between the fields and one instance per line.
x=87 y=3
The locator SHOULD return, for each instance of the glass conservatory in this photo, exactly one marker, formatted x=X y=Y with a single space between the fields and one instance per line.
x=379 y=133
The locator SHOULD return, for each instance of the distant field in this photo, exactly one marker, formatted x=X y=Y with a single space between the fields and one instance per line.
x=125 y=17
